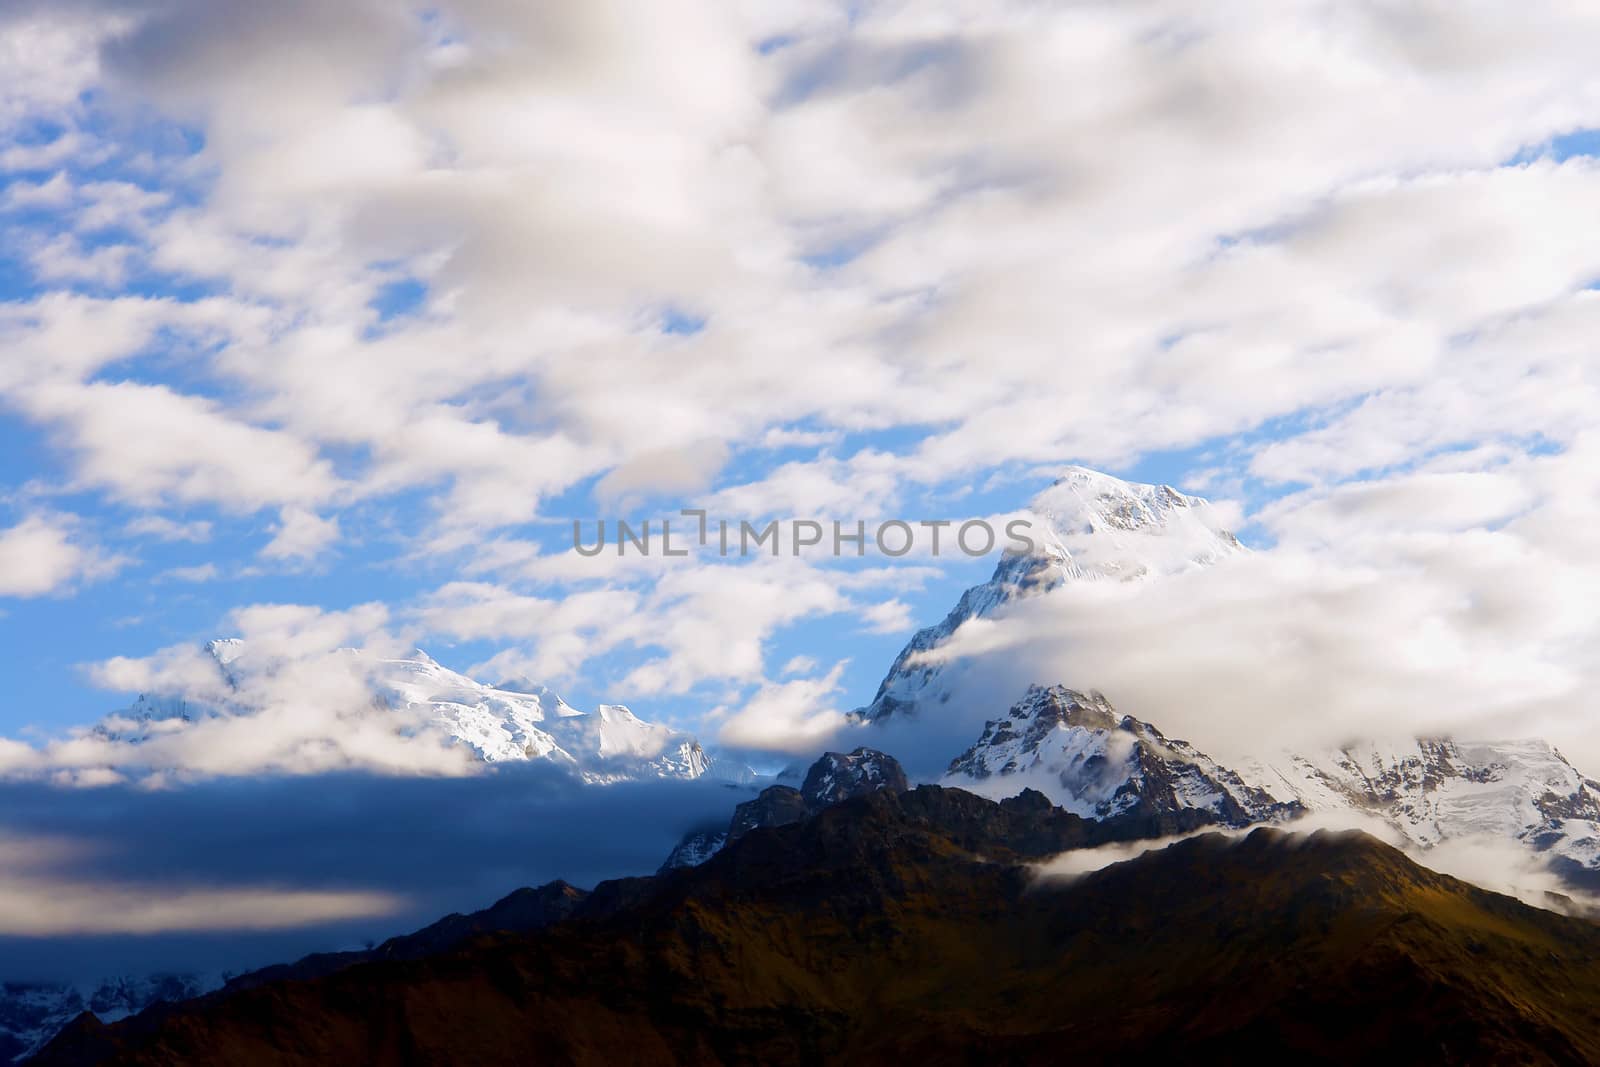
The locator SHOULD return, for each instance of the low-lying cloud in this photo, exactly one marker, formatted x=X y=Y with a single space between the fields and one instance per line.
x=1488 y=862
x=241 y=872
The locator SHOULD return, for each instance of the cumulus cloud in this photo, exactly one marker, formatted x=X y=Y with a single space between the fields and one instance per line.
x=680 y=472
x=300 y=535
x=148 y=442
x=796 y=716
x=887 y=617
x=890 y=251
x=1333 y=205
x=293 y=696
x=43 y=554
x=696 y=620
x=1394 y=610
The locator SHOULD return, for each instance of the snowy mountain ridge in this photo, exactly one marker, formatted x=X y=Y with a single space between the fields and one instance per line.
x=609 y=744
x=1075 y=749
x=1437 y=790
x=31 y=1013
x=1071 y=745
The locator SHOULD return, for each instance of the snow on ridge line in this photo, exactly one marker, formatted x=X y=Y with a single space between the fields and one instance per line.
x=1077 y=750
x=607 y=745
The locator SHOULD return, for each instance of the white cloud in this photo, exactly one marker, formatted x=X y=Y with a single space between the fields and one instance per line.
x=1360 y=624
x=955 y=170
x=553 y=638
x=887 y=617
x=52 y=192
x=145 y=443
x=200 y=572
x=163 y=528
x=796 y=716
x=681 y=471
x=1493 y=863
x=42 y=554
x=799 y=665
x=1002 y=236
x=37 y=899
x=707 y=622
x=297 y=699
x=300 y=535
x=1412 y=503
x=1005 y=173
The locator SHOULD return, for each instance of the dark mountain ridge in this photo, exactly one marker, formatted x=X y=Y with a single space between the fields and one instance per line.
x=900 y=925
x=834 y=777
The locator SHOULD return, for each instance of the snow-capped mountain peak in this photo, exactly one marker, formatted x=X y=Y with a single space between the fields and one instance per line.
x=1086 y=526
x=1437 y=790
x=225 y=649
x=1078 y=751
x=31 y=1013
x=1097 y=526
x=423 y=697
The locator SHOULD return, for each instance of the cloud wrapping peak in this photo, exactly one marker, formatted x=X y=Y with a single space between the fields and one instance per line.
x=438 y=276
x=1386 y=610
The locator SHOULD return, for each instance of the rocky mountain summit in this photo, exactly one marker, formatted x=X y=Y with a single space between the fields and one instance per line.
x=1066 y=741
x=1078 y=751
x=834 y=778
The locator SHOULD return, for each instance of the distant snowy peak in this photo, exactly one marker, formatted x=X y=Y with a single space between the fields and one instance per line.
x=1437 y=790
x=1075 y=749
x=532 y=722
x=31 y=1013
x=1086 y=526
x=696 y=847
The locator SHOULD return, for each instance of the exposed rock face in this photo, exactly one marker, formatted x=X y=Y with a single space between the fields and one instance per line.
x=1437 y=790
x=1078 y=751
x=777 y=805
x=836 y=777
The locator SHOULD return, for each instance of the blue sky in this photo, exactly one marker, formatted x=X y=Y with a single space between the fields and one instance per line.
x=320 y=323
x=148 y=604
x=374 y=334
